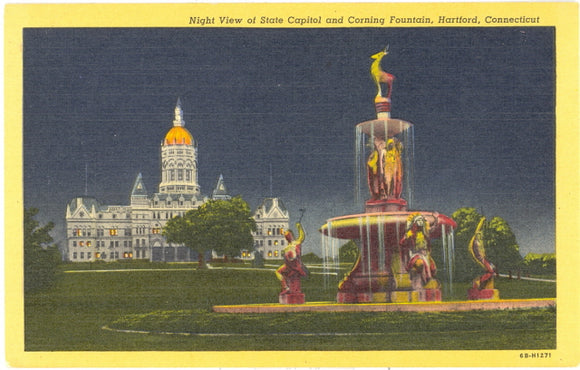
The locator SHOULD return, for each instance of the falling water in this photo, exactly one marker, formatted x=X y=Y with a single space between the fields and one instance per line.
x=409 y=154
x=330 y=257
x=451 y=243
x=381 y=236
x=369 y=266
x=359 y=152
x=444 y=250
x=448 y=247
x=324 y=244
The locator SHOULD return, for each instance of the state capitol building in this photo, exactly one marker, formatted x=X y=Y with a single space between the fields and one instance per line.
x=134 y=231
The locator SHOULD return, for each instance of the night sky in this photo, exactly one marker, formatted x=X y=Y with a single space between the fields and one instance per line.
x=481 y=100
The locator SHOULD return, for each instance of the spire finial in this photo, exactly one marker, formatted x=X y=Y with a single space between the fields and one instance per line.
x=178 y=121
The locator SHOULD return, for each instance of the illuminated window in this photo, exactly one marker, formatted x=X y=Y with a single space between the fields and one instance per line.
x=270 y=254
x=269 y=231
x=88 y=244
x=76 y=232
x=155 y=230
x=97 y=255
x=275 y=242
x=275 y=253
x=81 y=244
x=112 y=232
x=127 y=255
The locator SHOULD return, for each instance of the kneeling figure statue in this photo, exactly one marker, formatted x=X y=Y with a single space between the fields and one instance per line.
x=293 y=270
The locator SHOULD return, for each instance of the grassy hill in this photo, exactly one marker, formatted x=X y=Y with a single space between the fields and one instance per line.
x=178 y=298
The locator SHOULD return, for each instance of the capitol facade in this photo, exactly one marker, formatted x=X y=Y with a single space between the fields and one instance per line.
x=97 y=232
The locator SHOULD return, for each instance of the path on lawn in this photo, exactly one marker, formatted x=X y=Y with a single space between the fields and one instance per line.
x=527 y=278
x=269 y=269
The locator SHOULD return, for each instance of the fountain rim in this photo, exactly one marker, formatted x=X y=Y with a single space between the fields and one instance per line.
x=352 y=222
x=377 y=126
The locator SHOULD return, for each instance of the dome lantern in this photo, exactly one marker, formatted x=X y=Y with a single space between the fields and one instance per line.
x=178 y=135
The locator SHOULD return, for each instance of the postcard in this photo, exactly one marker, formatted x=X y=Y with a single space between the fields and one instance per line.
x=291 y=185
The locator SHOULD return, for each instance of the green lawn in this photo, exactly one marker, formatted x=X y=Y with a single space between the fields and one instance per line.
x=178 y=298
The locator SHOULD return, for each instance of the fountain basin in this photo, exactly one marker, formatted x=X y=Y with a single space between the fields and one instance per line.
x=381 y=272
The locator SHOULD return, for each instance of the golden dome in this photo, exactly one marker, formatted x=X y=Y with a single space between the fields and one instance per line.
x=178 y=135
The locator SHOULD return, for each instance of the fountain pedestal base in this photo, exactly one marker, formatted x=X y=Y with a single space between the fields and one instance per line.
x=294 y=293
x=397 y=288
x=396 y=296
x=291 y=298
x=390 y=205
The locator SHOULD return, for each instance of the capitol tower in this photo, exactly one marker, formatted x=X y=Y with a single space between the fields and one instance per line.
x=179 y=159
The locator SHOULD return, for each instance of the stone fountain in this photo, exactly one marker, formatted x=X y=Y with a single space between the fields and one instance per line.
x=394 y=262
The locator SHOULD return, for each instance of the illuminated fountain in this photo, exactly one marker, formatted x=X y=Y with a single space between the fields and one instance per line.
x=394 y=263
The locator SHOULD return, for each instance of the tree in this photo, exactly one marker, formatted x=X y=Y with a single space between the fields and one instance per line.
x=311 y=258
x=258 y=260
x=348 y=252
x=540 y=264
x=500 y=244
x=41 y=260
x=224 y=226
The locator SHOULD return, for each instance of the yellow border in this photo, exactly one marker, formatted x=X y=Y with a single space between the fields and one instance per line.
x=564 y=16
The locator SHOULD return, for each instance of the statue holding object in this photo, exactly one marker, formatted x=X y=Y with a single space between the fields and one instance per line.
x=416 y=252
x=293 y=270
x=483 y=286
x=376 y=170
x=385 y=169
x=394 y=169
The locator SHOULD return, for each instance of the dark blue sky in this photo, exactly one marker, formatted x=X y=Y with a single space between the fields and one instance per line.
x=481 y=99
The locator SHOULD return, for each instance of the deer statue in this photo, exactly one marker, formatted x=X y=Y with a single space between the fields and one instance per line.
x=380 y=76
